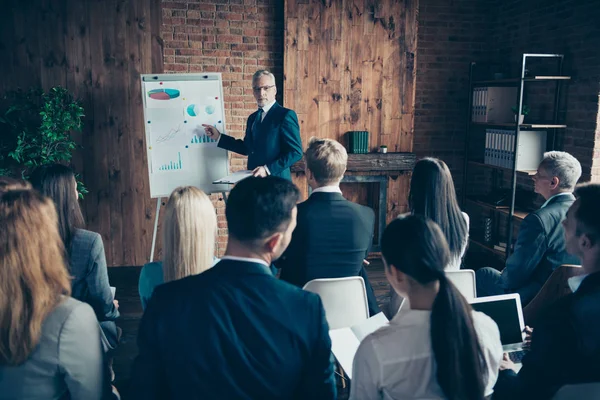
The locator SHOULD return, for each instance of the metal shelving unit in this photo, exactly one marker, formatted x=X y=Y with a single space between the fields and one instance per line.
x=551 y=126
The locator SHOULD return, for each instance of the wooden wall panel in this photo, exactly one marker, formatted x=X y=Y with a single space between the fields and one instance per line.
x=350 y=65
x=97 y=50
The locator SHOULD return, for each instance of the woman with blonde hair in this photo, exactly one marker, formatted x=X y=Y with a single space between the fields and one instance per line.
x=189 y=230
x=49 y=342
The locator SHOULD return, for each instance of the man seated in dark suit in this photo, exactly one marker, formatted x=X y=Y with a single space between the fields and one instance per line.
x=235 y=331
x=272 y=142
x=333 y=235
x=540 y=246
x=565 y=343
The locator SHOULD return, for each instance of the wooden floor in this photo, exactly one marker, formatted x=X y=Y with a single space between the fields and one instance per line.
x=125 y=279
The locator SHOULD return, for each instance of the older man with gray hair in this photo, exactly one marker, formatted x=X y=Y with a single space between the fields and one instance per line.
x=540 y=246
x=272 y=142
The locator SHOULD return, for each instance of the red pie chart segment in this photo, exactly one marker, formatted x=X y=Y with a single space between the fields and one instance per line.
x=163 y=94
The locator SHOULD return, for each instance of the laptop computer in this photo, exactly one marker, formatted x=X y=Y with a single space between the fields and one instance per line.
x=507 y=312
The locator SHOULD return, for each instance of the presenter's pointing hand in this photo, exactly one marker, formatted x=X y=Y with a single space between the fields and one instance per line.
x=211 y=132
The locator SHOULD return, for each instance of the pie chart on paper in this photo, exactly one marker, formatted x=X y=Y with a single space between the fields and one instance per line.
x=193 y=110
x=163 y=94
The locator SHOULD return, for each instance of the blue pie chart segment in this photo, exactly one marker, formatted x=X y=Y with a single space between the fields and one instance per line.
x=193 y=110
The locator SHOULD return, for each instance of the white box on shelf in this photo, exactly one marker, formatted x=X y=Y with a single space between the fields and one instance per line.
x=532 y=145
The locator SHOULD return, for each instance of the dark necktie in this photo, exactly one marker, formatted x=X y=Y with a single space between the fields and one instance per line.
x=257 y=123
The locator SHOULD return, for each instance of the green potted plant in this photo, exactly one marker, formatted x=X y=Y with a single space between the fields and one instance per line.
x=524 y=112
x=37 y=130
x=383 y=149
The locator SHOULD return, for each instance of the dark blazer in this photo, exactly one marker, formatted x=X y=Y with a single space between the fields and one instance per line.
x=539 y=249
x=277 y=143
x=233 y=332
x=332 y=238
x=87 y=266
x=565 y=347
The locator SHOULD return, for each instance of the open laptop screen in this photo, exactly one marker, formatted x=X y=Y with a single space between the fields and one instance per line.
x=506 y=311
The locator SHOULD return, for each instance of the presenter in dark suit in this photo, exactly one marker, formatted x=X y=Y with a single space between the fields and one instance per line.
x=235 y=331
x=272 y=142
x=565 y=342
x=333 y=235
x=540 y=246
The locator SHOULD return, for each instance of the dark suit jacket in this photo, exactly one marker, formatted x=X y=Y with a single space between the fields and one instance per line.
x=540 y=248
x=87 y=266
x=233 y=332
x=332 y=238
x=565 y=347
x=277 y=145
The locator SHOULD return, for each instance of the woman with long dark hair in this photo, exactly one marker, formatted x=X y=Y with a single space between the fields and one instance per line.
x=438 y=348
x=49 y=342
x=432 y=195
x=84 y=250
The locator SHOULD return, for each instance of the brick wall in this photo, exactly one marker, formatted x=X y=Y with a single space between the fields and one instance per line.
x=568 y=27
x=236 y=38
x=451 y=35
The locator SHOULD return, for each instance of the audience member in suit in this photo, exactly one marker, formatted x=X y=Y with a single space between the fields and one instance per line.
x=433 y=196
x=540 y=246
x=84 y=249
x=436 y=347
x=235 y=331
x=49 y=342
x=189 y=231
x=272 y=142
x=565 y=343
x=333 y=235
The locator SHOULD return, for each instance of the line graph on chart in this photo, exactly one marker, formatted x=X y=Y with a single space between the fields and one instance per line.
x=171 y=134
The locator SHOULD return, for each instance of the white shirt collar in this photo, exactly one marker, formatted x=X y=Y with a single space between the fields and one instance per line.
x=556 y=195
x=266 y=109
x=246 y=259
x=575 y=281
x=328 y=189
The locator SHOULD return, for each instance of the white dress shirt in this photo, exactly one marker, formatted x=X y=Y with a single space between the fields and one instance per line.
x=397 y=361
x=556 y=195
x=246 y=259
x=327 y=189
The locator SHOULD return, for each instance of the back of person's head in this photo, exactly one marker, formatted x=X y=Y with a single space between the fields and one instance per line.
x=587 y=216
x=416 y=247
x=33 y=275
x=189 y=231
x=58 y=182
x=259 y=208
x=432 y=195
x=326 y=159
x=7 y=183
x=563 y=166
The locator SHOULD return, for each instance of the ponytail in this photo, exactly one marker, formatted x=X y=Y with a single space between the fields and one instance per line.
x=461 y=371
x=417 y=247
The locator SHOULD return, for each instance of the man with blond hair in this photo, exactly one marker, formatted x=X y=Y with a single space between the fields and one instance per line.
x=333 y=235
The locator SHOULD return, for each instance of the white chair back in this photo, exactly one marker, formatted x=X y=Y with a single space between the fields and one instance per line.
x=582 y=391
x=464 y=280
x=344 y=300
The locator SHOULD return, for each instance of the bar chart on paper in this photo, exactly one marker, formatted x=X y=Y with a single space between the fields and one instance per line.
x=172 y=165
x=197 y=139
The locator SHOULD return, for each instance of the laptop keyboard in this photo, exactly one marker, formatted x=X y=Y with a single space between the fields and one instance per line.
x=517 y=356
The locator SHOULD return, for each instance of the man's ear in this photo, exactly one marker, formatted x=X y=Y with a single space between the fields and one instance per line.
x=554 y=182
x=586 y=242
x=273 y=241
